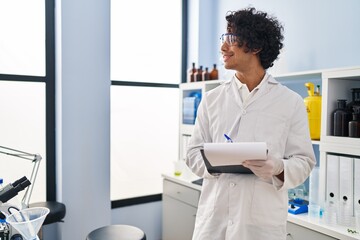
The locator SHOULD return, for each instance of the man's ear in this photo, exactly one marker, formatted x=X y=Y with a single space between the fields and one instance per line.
x=256 y=50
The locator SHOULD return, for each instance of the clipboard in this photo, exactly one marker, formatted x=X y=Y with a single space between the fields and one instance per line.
x=228 y=157
x=224 y=169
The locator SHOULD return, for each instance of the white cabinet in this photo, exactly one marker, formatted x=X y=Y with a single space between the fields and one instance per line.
x=296 y=232
x=337 y=85
x=179 y=210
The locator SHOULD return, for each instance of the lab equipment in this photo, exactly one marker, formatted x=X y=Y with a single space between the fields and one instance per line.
x=354 y=124
x=11 y=190
x=314 y=187
x=206 y=74
x=35 y=159
x=341 y=118
x=313 y=108
x=178 y=167
x=297 y=206
x=214 y=74
x=355 y=94
x=28 y=221
x=330 y=213
x=191 y=73
x=4 y=230
x=314 y=212
x=314 y=207
x=6 y=193
x=198 y=74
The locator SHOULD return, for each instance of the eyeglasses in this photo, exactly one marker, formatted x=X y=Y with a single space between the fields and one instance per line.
x=229 y=38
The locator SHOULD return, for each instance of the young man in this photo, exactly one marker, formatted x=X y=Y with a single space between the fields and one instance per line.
x=251 y=107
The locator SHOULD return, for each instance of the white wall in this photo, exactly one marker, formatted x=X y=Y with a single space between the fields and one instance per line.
x=83 y=114
x=318 y=34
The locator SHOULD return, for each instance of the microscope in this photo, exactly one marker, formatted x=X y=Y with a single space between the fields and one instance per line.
x=7 y=193
x=10 y=190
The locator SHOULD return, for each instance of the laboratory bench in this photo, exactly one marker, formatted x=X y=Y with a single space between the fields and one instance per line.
x=180 y=199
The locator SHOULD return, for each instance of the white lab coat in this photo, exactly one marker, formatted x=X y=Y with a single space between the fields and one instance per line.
x=242 y=206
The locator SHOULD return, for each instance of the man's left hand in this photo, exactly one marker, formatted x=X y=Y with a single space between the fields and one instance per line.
x=265 y=169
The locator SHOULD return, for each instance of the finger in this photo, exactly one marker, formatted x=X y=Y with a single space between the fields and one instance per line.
x=258 y=163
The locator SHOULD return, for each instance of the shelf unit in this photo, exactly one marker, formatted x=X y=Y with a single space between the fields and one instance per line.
x=186 y=89
x=335 y=84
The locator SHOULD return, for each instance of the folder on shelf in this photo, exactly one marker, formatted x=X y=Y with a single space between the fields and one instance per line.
x=228 y=157
x=346 y=178
x=357 y=184
x=332 y=178
x=346 y=190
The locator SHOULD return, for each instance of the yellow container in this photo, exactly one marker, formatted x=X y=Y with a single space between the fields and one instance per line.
x=313 y=108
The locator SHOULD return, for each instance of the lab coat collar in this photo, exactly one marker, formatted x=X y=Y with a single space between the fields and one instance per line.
x=263 y=89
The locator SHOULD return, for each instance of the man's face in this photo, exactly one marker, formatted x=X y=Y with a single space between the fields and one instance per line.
x=235 y=57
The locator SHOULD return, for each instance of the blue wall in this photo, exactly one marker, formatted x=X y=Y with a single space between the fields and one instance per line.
x=319 y=34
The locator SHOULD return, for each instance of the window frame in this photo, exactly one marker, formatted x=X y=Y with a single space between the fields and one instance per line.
x=49 y=80
x=184 y=46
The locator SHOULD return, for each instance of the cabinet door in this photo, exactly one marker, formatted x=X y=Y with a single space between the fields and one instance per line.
x=178 y=219
x=296 y=232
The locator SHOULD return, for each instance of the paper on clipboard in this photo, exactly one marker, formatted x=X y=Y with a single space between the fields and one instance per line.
x=224 y=154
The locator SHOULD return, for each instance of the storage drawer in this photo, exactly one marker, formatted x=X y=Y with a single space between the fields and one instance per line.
x=182 y=193
x=297 y=232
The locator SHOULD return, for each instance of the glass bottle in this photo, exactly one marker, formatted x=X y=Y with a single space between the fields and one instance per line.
x=355 y=93
x=317 y=90
x=206 y=75
x=191 y=73
x=198 y=74
x=354 y=124
x=214 y=74
x=341 y=118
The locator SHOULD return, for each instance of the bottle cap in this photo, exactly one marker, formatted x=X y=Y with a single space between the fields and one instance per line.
x=1 y=181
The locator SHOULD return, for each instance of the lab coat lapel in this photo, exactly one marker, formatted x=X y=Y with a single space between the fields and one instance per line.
x=264 y=89
x=233 y=92
x=237 y=108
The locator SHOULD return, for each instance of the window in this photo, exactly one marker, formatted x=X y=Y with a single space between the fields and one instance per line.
x=22 y=128
x=27 y=87
x=146 y=68
x=22 y=37
x=144 y=133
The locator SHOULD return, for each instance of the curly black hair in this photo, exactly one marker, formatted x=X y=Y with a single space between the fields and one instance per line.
x=257 y=31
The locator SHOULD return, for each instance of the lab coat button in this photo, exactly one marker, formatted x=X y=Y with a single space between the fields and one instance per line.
x=230 y=222
x=232 y=184
x=244 y=112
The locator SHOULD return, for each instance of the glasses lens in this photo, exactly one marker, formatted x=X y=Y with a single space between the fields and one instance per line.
x=229 y=38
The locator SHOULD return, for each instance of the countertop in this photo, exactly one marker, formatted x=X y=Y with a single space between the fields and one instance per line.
x=339 y=232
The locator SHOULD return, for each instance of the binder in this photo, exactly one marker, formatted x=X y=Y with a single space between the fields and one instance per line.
x=346 y=183
x=357 y=184
x=332 y=178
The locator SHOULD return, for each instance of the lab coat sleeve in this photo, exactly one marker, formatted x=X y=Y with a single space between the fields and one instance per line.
x=299 y=154
x=200 y=135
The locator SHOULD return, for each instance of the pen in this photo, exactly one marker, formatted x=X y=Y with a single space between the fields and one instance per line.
x=228 y=139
